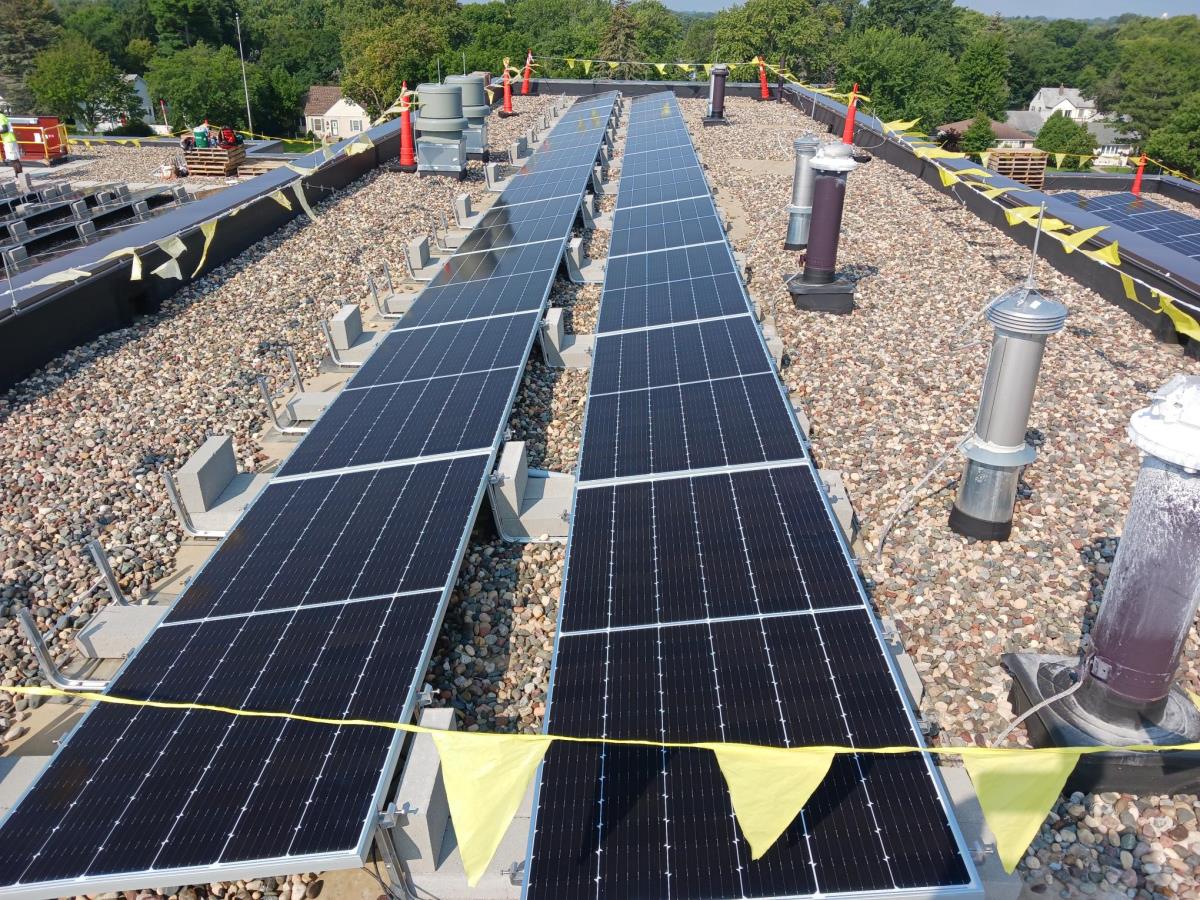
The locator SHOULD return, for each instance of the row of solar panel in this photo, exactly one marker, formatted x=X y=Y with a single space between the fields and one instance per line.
x=710 y=607
x=322 y=601
x=1151 y=220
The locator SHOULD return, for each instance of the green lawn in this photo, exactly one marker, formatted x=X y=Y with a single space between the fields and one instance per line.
x=298 y=146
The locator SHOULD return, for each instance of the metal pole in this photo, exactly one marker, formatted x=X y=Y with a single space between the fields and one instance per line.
x=237 y=18
x=800 y=210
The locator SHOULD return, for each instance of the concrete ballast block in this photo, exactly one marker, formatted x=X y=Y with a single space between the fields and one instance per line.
x=346 y=327
x=206 y=474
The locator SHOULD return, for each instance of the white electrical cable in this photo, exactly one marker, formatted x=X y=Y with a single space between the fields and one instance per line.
x=902 y=506
x=1029 y=712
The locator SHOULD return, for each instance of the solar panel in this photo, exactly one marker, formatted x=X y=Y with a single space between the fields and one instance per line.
x=1151 y=220
x=708 y=596
x=323 y=600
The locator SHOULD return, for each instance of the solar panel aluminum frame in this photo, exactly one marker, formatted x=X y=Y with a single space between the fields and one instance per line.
x=974 y=888
x=358 y=856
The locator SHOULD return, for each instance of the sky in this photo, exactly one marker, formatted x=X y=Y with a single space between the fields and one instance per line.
x=1100 y=9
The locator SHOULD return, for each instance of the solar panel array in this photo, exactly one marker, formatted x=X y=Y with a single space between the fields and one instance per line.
x=709 y=597
x=1151 y=220
x=323 y=601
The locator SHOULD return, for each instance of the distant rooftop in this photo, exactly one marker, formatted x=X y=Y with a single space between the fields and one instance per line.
x=1052 y=96
x=320 y=98
x=1003 y=130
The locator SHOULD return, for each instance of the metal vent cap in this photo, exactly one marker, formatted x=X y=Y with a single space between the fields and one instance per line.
x=1028 y=311
x=1169 y=428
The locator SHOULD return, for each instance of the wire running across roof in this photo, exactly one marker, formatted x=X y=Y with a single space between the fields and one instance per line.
x=710 y=597
x=324 y=600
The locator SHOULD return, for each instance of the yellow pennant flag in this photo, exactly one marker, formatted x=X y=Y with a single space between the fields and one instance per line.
x=1109 y=254
x=938 y=153
x=1072 y=242
x=173 y=246
x=570 y=63
x=1030 y=214
x=684 y=66
x=208 y=229
x=1184 y=323
x=613 y=65
x=587 y=66
x=1017 y=791
x=491 y=94
x=136 y=272
x=361 y=145
x=60 y=277
x=899 y=125
x=281 y=198
x=662 y=68
x=486 y=776
x=974 y=173
x=298 y=190
x=993 y=193
x=768 y=787
x=301 y=170
x=984 y=157
x=169 y=269
x=948 y=177
x=1058 y=159
x=708 y=67
x=1127 y=283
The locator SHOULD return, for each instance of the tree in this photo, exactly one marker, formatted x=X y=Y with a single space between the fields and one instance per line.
x=185 y=23
x=376 y=61
x=74 y=80
x=904 y=78
x=198 y=83
x=118 y=28
x=936 y=22
x=301 y=37
x=1061 y=135
x=978 y=137
x=979 y=84
x=620 y=39
x=699 y=39
x=1177 y=143
x=27 y=27
x=1159 y=65
x=658 y=31
x=802 y=32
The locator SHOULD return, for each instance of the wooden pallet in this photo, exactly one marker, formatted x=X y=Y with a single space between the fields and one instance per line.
x=258 y=167
x=216 y=162
x=1025 y=166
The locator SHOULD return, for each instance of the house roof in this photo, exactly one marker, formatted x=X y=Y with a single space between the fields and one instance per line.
x=320 y=98
x=1024 y=119
x=1002 y=130
x=1110 y=134
x=1052 y=96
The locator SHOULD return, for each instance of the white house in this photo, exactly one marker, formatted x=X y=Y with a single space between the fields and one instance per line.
x=1113 y=144
x=1065 y=100
x=332 y=117
x=145 y=105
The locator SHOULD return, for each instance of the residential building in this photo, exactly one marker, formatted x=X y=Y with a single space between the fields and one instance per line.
x=1068 y=101
x=332 y=117
x=1007 y=137
x=145 y=106
x=1113 y=143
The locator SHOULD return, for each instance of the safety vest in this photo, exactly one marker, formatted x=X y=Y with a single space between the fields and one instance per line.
x=6 y=131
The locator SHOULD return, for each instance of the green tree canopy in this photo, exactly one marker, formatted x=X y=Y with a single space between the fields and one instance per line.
x=978 y=137
x=75 y=80
x=184 y=23
x=659 y=32
x=378 y=60
x=113 y=27
x=937 y=22
x=1177 y=143
x=699 y=40
x=1159 y=64
x=801 y=32
x=1062 y=135
x=980 y=83
x=198 y=83
x=27 y=27
x=903 y=76
x=620 y=39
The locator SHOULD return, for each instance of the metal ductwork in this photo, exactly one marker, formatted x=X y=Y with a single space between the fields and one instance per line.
x=800 y=210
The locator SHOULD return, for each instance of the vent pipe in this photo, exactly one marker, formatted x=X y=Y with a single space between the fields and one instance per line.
x=716 y=95
x=441 y=148
x=800 y=210
x=997 y=451
x=818 y=288
x=1126 y=691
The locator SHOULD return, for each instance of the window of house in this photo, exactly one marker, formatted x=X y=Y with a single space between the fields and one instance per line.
x=333 y=126
x=356 y=124
x=317 y=126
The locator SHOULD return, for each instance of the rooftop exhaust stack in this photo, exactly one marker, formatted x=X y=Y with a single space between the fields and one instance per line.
x=716 y=96
x=477 y=109
x=1127 y=693
x=800 y=211
x=997 y=451
x=818 y=288
x=441 y=149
